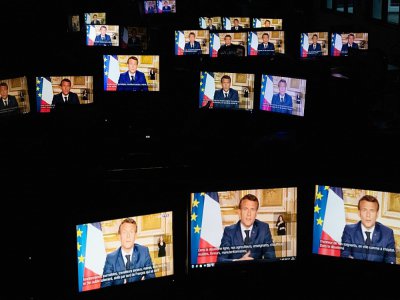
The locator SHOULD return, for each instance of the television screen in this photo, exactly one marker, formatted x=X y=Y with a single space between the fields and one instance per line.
x=165 y=6
x=266 y=43
x=134 y=38
x=102 y=35
x=63 y=91
x=220 y=90
x=150 y=7
x=123 y=251
x=210 y=23
x=356 y=224
x=14 y=96
x=228 y=44
x=345 y=44
x=313 y=44
x=73 y=23
x=192 y=42
x=235 y=23
x=285 y=95
x=95 y=18
x=271 y=23
x=131 y=73
x=231 y=226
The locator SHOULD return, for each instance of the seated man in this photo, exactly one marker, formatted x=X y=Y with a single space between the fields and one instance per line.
x=314 y=49
x=226 y=97
x=266 y=47
x=349 y=46
x=228 y=49
x=8 y=103
x=133 y=79
x=192 y=47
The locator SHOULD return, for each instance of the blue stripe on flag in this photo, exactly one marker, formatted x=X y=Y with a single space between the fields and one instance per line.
x=321 y=199
x=106 y=69
x=81 y=236
x=196 y=218
x=39 y=90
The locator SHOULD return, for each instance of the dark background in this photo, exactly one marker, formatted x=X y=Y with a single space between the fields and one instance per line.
x=132 y=154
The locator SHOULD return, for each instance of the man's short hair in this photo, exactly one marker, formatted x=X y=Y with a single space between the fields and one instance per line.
x=65 y=80
x=103 y=26
x=249 y=197
x=226 y=77
x=236 y=20
x=268 y=22
x=368 y=198
x=134 y=58
x=350 y=34
x=4 y=84
x=192 y=33
x=127 y=220
x=228 y=35
x=282 y=81
x=315 y=35
x=94 y=15
x=265 y=33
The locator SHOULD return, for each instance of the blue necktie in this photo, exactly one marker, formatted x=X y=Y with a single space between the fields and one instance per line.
x=128 y=261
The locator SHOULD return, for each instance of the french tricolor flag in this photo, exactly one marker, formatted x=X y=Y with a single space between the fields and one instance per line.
x=336 y=44
x=125 y=38
x=227 y=23
x=329 y=221
x=256 y=23
x=267 y=91
x=206 y=228
x=215 y=44
x=202 y=23
x=252 y=44
x=44 y=94
x=304 y=45
x=90 y=35
x=111 y=72
x=91 y=256
x=207 y=88
x=179 y=42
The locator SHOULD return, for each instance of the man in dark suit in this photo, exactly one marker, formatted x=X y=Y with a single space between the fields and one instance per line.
x=239 y=239
x=192 y=47
x=349 y=46
x=314 y=49
x=226 y=97
x=133 y=79
x=368 y=239
x=236 y=25
x=282 y=102
x=8 y=103
x=228 y=49
x=151 y=8
x=103 y=39
x=95 y=21
x=210 y=25
x=66 y=97
x=166 y=8
x=266 y=47
x=130 y=258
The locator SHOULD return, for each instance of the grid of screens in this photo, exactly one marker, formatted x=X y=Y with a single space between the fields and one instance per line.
x=14 y=96
x=123 y=251
x=229 y=23
x=160 y=7
x=63 y=91
x=219 y=221
x=220 y=90
x=131 y=73
x=356 y=224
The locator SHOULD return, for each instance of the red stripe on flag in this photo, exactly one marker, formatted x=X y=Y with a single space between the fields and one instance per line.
x=180 y=51
x=207 y=253
x=44 y=107
x=253 y=51
x=328 y=246
x=111 y=85
x=304 y=53
x=336 y=52
x=91 y=280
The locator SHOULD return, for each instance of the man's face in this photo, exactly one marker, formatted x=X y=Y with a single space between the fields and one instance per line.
x=282 y=88
x=103 y=30
x=236 y=23
x=94 y=18
x=351 y=39
x=368 y=213
x=127 y=235
x=248 y=212
x=265 y=39
x=65 y=87
x=314 y=39
x=226 y=84
x=132 y=65
x=191 y=38
x=209 y=22
x=227 y=40
x=267 y=24
x=4 y=91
